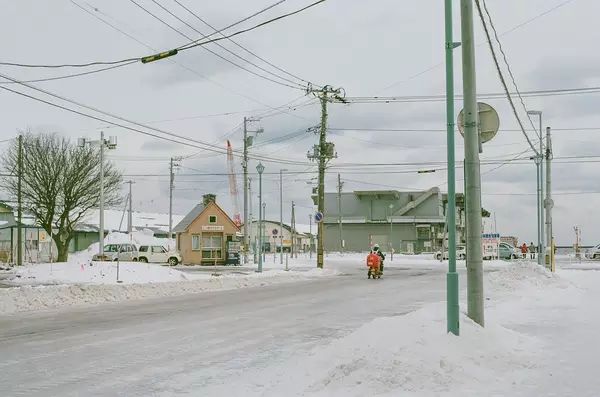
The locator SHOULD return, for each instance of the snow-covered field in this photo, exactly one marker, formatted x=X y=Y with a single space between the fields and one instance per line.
x=526 y=349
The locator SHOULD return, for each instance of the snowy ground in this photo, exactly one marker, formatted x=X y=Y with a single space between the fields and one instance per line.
x=333 y=336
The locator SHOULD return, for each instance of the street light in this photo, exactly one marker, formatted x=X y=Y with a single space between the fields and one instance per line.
x=391 y=245
x=539 y=164
x=260 y=168
x=110 y=144
x=281 y=215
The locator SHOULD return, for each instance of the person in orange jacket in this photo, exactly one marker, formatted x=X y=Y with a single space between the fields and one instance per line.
x=524 y=250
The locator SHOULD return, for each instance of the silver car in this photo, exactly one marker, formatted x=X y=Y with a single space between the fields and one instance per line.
x=121 y=252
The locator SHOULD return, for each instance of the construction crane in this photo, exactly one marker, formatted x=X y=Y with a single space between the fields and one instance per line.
x=233 y=189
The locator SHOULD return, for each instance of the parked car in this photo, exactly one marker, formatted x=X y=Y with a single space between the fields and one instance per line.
x=122 y=252
x=593 y=253
x=507 y=251
x=158 y=254
x=461 y=253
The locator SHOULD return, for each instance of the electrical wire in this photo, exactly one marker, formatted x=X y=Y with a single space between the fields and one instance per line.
x=240 y=46
x=510 y=73
x=301 y=86
x=71 y=75
x=207 y=146
x=527 y=22
x=192 y=44
x=205 y=48
x=179 y=64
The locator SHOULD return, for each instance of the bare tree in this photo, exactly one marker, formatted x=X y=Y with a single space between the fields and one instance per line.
x=60 y=184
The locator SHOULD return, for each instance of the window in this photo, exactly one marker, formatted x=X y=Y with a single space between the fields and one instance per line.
x=212 y=219
x=195 y=243
x=212 y=246
x=157 y=249
x=144 y=248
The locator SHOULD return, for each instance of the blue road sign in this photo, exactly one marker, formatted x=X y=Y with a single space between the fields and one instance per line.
x=318 y=217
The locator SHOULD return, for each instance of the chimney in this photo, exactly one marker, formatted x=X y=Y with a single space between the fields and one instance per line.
x=208 y=198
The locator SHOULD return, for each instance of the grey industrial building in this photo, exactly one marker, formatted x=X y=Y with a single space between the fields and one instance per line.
x=410 y=222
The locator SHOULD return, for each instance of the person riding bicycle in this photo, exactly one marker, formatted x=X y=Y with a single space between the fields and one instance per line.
x=377 y=251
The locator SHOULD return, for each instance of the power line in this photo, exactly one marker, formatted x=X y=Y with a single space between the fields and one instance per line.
x=527 y=22
x=208 y=146
x=198 y=42
x=192 y=44
x=239 y=45
x=71 y=75
x=228 y=50
x=205 y=48
x=510 y=73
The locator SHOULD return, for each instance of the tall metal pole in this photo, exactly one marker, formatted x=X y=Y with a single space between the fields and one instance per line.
x=281 y=217
x=19 y=204
x=391 y=233
x=130 y=214
x=340 y=184
x=541 y=190
x=474 y=255
x=293 y=227
x=452 y=305
x=251 y=232
x=245 y=169
x=321 y=190
x=260 y=216
x=548 y=202
x=310 y=244
x=101 y=221
x=539 y=208
x=171 y=184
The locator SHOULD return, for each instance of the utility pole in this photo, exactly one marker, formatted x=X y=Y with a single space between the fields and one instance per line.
x=310 y=242
x=473 y=193
x=101 y=221
x=260 y=168
x=293 y=227
x=548 y=203
x=452 y=303
x=324 y=152
x=19 y=203
x=171 y=185
x=539 y=164
x=247 y=143
x=340 y=184
x=130 y=214
x=252 y=227
x=281 y=215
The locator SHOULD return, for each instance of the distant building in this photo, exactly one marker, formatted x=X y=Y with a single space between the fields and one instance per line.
x=204 y=234
x=410 y=222
x=274 y=239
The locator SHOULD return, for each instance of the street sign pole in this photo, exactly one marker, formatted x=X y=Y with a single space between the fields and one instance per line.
x=452 y=304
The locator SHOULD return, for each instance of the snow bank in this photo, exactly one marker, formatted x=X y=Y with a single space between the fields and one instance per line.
x=95 y=273
x=27 y=298
x=412 y=355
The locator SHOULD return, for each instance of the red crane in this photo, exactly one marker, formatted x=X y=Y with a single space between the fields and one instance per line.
x=233 y=189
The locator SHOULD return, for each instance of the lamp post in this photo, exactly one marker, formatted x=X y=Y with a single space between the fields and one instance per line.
x=539 y=163
x=111 y=143
x=260 y=168
x=391 y=223
x=281 y=215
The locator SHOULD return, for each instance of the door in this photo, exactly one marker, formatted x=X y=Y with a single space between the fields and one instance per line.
x=158 y=254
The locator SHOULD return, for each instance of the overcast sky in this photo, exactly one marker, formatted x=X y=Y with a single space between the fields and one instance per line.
x=379 y=47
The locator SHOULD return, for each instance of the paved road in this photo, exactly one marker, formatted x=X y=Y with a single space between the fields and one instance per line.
x=185 y=344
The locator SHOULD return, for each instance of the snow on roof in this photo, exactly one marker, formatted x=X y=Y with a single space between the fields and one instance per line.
x=141 y=220
x=189 y=218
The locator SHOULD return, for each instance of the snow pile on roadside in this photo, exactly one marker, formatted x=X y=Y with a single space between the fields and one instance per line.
x=522 y=276
x=96 y=273
x=406 y=355
x=26 y=298
x=412 y=355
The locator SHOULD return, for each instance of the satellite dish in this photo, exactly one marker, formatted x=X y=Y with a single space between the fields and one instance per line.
x=488 y=119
